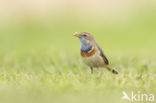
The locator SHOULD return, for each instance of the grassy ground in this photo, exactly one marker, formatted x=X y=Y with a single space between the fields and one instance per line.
x=40 y=62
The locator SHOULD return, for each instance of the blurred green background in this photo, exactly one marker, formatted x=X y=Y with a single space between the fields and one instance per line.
x=37 y=48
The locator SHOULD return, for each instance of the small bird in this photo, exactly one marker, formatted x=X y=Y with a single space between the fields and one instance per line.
x=91 y=52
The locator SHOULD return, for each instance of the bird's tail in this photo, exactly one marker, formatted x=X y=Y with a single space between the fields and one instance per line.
x=112 y=70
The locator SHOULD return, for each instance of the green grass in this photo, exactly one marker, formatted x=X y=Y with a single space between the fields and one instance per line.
x=41 y=63
x=54 y=76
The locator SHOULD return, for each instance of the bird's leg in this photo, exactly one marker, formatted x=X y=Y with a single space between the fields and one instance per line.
x=98 y=71
x=91 y=68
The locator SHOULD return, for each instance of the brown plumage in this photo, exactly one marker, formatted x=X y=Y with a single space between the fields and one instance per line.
x=91 y=53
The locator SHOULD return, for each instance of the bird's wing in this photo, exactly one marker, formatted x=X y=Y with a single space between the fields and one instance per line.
x=103 y=55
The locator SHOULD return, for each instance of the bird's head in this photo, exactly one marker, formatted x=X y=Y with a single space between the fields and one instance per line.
x=85 y=38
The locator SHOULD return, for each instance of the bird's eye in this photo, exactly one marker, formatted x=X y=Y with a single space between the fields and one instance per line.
x=85 y=35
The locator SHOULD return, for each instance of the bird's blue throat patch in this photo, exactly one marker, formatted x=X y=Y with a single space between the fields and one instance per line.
x=84 y=46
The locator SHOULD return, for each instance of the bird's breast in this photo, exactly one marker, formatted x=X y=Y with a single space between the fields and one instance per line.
x=92 y=58
x=90 y=53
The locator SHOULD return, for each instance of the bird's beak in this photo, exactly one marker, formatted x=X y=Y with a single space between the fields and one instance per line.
x=76 y=34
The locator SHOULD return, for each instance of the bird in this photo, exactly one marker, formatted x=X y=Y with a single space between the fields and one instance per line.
x=91 y=53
